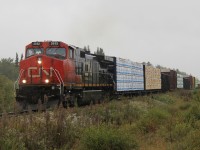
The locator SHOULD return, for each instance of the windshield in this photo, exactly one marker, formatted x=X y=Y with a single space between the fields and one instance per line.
x=34 y=51
x=59 y=53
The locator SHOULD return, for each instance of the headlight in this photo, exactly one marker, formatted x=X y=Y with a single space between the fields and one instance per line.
x=47 y=81
x=24 y=81
x=39 y=60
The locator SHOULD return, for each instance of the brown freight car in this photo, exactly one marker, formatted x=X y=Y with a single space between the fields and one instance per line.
x=189 y=83
x=169 y=80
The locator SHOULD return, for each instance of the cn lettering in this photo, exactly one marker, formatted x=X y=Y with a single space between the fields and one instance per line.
x=36 y=72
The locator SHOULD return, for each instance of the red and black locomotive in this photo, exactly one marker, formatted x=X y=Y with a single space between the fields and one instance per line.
x=58 y=73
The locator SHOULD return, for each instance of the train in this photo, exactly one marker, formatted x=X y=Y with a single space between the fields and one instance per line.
x=54 y=73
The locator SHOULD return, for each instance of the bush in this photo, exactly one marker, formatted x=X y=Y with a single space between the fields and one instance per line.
x=132 y=113
x=186 y=95
x=178 y=132
x=196 y=95
x=152 y=120
x=6 y=94
x=11 y=140
x=38 y=131
x=185 y=106
x=165 y=99
x=193 y=114
x=190 y=142
x=59 y=133
x=106 y=138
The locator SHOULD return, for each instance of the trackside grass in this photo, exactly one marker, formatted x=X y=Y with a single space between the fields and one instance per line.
x=161 y=121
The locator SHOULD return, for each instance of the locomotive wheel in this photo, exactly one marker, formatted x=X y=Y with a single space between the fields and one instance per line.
x=64 y=103
x=93 y=101
x=64 y=100
x=79 y=101
x=71 y=101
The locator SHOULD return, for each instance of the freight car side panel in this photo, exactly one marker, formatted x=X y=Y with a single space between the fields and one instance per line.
x=152 y=78
x=129 y=75
x=189 y=83
x=172 y=79
x=193 y=82
x=165 y=82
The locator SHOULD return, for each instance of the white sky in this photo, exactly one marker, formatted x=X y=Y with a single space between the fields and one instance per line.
x=164 y=32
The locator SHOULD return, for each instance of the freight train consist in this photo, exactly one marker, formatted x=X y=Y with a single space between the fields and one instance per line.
x=55 y=73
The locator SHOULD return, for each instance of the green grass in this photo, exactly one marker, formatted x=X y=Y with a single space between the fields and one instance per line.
x=106 y=138
x=160 y=121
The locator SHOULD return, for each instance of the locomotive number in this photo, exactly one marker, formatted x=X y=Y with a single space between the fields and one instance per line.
x=35 y=72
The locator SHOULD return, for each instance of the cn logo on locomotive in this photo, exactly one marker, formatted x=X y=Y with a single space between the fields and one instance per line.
x=36 y=72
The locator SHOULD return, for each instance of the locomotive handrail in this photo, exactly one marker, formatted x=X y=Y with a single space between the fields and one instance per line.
x=59 y=75
x=113 y=80
x=59 y=78
x=17 y=81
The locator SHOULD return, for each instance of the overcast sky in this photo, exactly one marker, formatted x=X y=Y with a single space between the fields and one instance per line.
x=164 y=32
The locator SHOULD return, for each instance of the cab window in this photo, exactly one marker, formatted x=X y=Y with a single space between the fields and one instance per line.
x=59 y=53
x=34 y=51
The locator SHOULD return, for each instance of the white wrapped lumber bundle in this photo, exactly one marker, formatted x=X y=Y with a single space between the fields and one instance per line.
x=129 y=75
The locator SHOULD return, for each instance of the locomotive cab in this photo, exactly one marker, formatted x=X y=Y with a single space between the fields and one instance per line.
x=56 y=50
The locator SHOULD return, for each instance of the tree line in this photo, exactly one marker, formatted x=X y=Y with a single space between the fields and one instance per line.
x=8 y=75
x=99 y=50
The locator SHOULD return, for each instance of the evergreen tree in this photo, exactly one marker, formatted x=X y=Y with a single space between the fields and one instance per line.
x=99 y=51
x=85 y=48
x=16 y=60
x=88 y=48
x=159 y=67
x=149 y=64
x=21 y=57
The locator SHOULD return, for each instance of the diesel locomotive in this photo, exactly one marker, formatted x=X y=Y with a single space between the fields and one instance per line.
x=55 y=73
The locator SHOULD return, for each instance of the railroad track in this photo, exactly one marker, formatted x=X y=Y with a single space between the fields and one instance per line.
x=16 y=113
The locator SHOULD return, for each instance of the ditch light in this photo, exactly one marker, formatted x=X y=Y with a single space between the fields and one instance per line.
x=24 y=81
x=46 y=81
